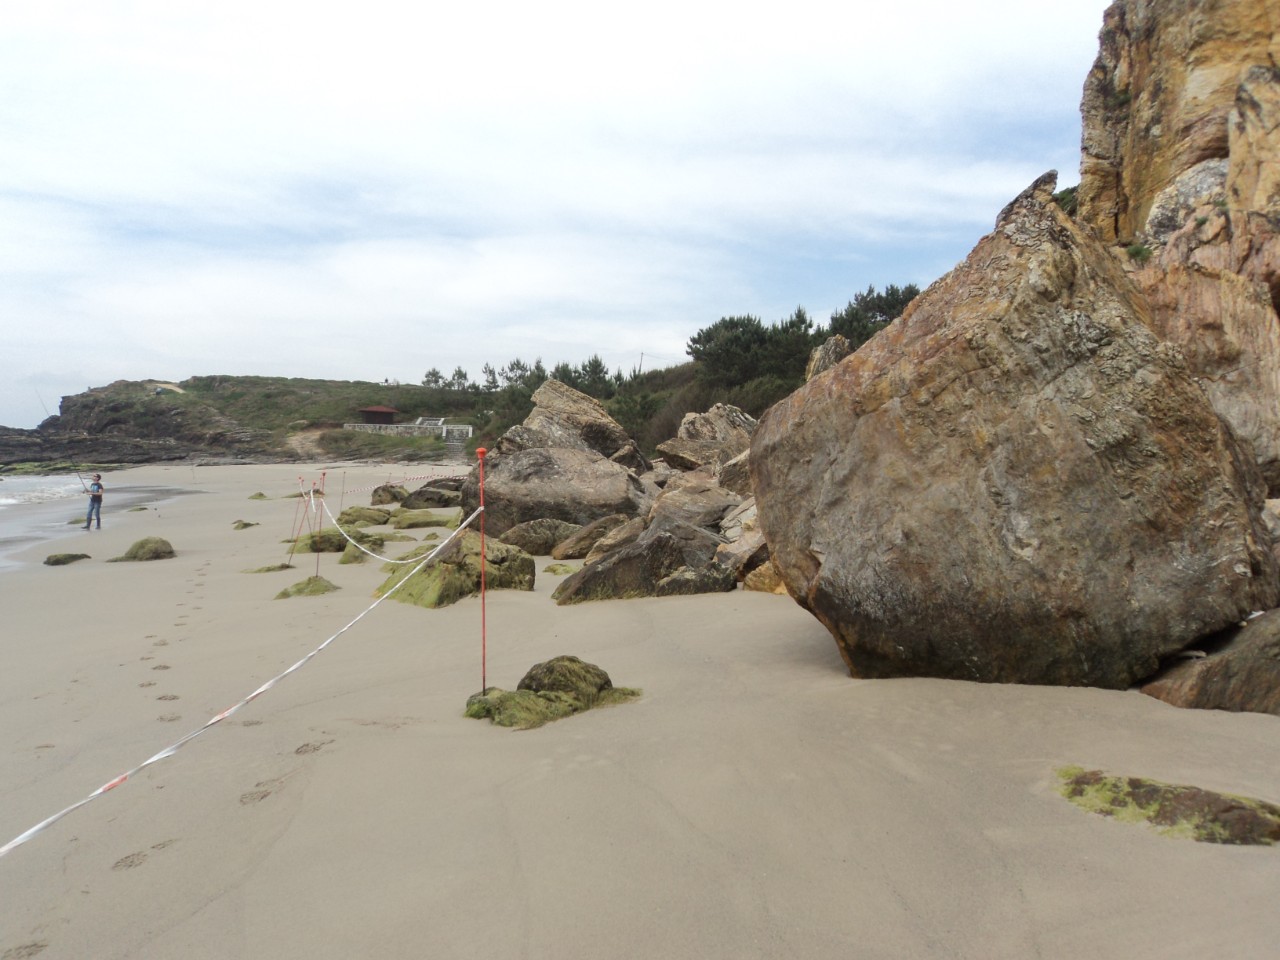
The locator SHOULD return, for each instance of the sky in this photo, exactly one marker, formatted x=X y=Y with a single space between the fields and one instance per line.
x=366 y=192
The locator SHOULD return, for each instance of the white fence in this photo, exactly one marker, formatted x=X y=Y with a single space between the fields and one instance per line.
x=446 y=431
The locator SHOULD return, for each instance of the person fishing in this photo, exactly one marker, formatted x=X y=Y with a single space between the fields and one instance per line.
x=95 y=491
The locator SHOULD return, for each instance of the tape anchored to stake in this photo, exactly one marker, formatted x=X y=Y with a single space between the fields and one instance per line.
x=213 y=721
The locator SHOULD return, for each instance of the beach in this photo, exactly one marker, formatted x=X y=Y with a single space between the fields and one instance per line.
x=755 y=802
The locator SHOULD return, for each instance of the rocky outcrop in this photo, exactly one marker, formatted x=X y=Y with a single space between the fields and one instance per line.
x=567 y=461
x=1240 y=671
x=564 y=417
x=539 y=537
x=1015 y=481
x=709 y=439
x=827 y=355
x=432 y=496
x=456 y=572
x=1180 y=169
x=557 y=483
x=578 y=545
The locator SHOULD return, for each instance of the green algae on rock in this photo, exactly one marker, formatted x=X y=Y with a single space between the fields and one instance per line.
x=456 y=572
x=1176 y=810
x=552 y=690
x=148 y=548
x=62 y=559
x=273 y=568
x=310 y=587
x=243 y=524
x=416 y=519
x=369 y=515
x=559 y=569
x=258 y=496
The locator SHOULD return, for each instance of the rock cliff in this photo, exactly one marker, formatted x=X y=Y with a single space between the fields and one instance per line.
x=1180 y=170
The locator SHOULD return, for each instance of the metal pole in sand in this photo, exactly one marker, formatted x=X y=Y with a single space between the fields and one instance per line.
x=484 y=640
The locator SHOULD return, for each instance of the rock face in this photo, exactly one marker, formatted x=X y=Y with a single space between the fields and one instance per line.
x=539 y=537
x=1181 y=162
x=564 y=417
x=1242 y=673
x=556 y=483
x=456 y=573
x=709 y=439
x=568 y=461
x=1016 y=481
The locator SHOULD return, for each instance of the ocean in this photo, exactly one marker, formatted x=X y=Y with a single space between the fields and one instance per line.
x=33 y=509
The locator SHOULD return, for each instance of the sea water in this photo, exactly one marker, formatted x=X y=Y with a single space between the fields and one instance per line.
x=33 y=509
x=16 y=490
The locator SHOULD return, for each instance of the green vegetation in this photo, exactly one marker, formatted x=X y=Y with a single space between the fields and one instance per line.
x=1176 y=811
x=1139 y=253
x=740 y=360
x=559 y=569
x=275 y=567
x=1068 y=200
x=525 y=710
x=243 y=524
x=258 y=496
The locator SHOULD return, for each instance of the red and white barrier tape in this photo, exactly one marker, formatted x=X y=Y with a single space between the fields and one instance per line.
x=174 y=747
x=404 y=480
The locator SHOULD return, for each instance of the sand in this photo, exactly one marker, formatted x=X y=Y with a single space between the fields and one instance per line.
x=755 y=802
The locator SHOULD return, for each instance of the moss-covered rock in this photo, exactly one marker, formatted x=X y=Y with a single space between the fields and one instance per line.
x=329 y=540
x=388 y=493
x=559 y=569
x=1177 y=811
x=370 y=515
x=456 y=574
x=310 y=587
x=275 y=567
x=148 y=548
x=556 y=688
x=353 y=553
x=416 y=519
x=258 y=496
x=62 y=559
x=243 y=525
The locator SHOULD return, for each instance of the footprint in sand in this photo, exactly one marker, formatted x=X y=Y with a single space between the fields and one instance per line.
x=160 y=666
x=131 y=861
x=161 y=643
x=168 y=696
x=147 y=683
x=250 y=723
x=24 y=950
x=169 y=717
x=264 y=790
x=311 y=747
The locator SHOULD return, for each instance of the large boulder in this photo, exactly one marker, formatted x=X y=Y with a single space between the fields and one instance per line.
x=559 y=483
x=577 y=545
x=539 y=537
x=696 y=500
x=432 y=495
x=455 y=574
x=1180 y=170
x=1015 y=481
x=709 y=439
x=1240 y=672
x=669 y=558
x=564 y=417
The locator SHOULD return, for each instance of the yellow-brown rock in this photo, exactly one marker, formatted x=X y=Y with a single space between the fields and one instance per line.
x=1180 y=170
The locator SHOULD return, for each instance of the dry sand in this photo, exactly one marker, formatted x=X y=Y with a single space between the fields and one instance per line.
x=756 y=802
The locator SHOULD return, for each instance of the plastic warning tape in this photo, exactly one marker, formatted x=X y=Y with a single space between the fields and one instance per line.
x=404 y=480
x=176 y=746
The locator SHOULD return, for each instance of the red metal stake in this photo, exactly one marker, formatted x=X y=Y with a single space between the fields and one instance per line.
x=484 y=637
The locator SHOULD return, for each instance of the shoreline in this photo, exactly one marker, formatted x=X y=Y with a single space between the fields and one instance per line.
x=754 y=802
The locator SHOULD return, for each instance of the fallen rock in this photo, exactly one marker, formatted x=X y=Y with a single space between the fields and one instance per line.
x=1177 y=811
x=557 y=483
x=565 y=417
x=432 y=494
x=148 y=548
x=709 y=439
x=827 y=355
x=369 y=515
x=310 y=587
x=455 y=574
x=387 y=493
x=1241 y=672
x=539 y=537
x=647 y=567
x=765 y=579
x=617 y=538
x=420 y=519
x=557 y=688
x=697 y=501
x=996 y=485
x=62 y=559
x=578 y=545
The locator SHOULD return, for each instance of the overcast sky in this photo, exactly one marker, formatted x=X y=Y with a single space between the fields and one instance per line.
x=366 y=192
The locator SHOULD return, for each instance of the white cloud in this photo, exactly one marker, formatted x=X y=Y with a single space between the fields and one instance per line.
x=483 y=181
